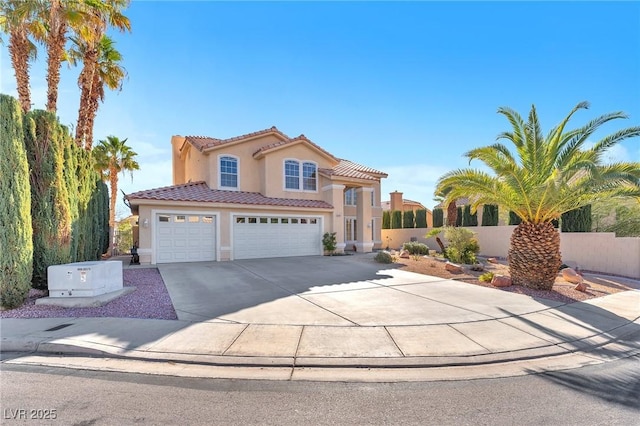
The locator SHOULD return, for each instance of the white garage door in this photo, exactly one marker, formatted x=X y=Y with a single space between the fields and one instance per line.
x=185 y=238
x=257 y=237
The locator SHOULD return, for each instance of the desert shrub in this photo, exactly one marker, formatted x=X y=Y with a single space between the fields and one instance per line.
x=486 y=277
x=396 y=219
x=408 y=219
x=329 y=242
x=463 y=246
x=421 y=218
x=416 y=248
x=490 y=215
x=383 y=257
x=438 y=218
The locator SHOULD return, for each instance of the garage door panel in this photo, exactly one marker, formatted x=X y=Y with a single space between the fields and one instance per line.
x=182 y=238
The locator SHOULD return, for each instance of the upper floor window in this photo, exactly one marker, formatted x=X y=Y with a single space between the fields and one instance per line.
x=309 y=176
x=228 y=172
x=350 y=197
x=294 y=179
x=291 y=174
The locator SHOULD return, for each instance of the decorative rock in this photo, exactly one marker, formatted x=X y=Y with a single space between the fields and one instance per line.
x=501 y=281
x=492 y=260
x=569 y=274
x=582 y=286
x=404 y=254
x=477 y=267
x=452 y=267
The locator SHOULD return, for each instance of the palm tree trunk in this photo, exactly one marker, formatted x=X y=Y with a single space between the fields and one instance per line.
x=113 y=184
x=19 y=51
x=534 y=255
x=55 y=49
x=97 y=93
x=86 y=82
x=452 y=213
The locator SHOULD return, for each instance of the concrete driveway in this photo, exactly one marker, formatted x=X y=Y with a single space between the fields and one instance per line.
x=331 y=291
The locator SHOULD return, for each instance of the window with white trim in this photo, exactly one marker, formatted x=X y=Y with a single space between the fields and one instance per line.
x=309 y=176
x=350 y=230
x=228 y=172
x=350 y=197
x=291 y=174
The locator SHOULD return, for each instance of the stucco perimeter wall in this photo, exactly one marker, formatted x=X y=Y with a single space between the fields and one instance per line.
x=593 y=251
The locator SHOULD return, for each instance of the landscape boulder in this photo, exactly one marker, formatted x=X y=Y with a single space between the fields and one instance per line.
x=501 y=281
x=452 y=267
x=404 y=254
x=570 y=274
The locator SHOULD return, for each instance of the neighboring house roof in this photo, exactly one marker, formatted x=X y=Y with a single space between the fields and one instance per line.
x=386 y=205
x=346 y=168
x=200 y=192
x=459 y=202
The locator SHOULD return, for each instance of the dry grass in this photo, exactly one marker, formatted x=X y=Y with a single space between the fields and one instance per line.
x=562 y=290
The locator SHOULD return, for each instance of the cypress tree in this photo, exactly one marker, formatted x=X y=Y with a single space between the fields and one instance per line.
x=577 y=220
x=16 y=244
x=514 y=219
x=459 y=216
x=386 y=219
x=438 y=218
x=408 y=219
x=469 y=219
x=50 y=208
x=490 y=215
x=421 y=218
x=396 y=219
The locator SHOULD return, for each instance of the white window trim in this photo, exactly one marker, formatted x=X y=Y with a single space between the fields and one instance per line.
x=300 y=176
x=228 y=188
x=355 y=197
x=353 y=229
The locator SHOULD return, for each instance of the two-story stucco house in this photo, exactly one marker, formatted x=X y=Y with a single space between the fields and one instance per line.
x=258 y=195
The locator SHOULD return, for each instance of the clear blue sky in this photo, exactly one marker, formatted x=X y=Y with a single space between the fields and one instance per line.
x=405 y=88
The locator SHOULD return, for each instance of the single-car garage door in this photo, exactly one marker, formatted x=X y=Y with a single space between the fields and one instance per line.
x=185 y=238
x=282 y=236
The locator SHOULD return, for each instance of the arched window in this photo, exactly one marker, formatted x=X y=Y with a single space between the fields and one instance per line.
x=291 y=174
x=309 y=180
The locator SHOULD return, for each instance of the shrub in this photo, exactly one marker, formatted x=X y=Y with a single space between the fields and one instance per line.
x=438 y=218
x=463 y=247
x=16 y=244
x=329 y=242
x=490 y=215
x=421 y=218
x=416 y=248
x=396 y=219
x=386 y=219
x=486 y=277
x=383 y=257
x=408 y=219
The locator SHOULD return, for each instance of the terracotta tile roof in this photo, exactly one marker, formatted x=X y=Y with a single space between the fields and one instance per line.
x=205 y=142
x=292 y=140
x=459 y=202
x=350 y=169
x=200 y=192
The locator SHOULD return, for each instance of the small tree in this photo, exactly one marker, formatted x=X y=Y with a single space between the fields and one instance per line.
x=396 y=219
x=490 y=215
x=329 y=242
x=421 y=218
x=438 y=218
x=408 y=219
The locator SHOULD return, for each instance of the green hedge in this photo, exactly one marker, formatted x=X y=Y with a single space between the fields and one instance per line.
x=386 y=219
x=459 y=216
x=490 y=215
x=421 y=218
x=469 y=219
x=438 y=218
x=408 y=219
x=577 y=220
x=514 y=219
x=396 y=219
x=16 y=234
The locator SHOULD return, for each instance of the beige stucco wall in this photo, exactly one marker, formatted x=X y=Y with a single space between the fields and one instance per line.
x=593 y=251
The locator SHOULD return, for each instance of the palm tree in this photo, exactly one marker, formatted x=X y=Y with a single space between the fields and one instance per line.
x=111 y=157
x=18 y=19
x=106 y=72
x=546 y=177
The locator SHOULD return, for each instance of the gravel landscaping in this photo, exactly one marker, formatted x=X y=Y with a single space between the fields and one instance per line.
x=150 y=300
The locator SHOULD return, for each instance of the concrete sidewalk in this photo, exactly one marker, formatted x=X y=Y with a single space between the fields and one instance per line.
x=274 y=319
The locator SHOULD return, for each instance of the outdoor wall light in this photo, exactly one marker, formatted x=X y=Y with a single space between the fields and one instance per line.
x=145 y=223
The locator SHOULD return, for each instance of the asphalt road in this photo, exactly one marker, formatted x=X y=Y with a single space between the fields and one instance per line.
x=607 y=394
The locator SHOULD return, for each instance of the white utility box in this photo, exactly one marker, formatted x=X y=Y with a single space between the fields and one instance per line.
x=84 y=279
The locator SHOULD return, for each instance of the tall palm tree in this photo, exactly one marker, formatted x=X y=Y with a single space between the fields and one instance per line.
x=107 y=72
x=18 y=19
x=111 y=157
x=546 y=177
x=100 y=61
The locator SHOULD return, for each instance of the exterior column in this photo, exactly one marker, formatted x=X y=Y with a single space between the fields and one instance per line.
x=363 y=219
x=334 y=195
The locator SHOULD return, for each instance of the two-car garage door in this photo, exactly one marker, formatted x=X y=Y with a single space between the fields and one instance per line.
x=275 y=236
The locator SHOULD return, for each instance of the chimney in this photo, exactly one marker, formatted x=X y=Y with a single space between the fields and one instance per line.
x=396 y=201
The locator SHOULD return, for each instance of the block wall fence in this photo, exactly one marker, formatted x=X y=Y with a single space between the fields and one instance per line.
x=593 y=251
